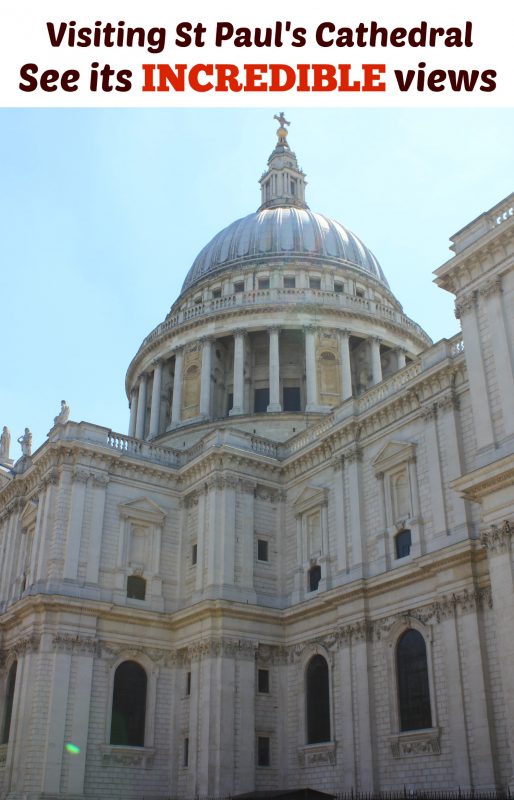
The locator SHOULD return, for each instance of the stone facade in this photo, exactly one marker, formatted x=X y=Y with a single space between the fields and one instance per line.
x=306 y=479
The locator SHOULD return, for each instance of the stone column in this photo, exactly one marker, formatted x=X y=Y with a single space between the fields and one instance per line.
x=352 y=469
x=364 y=709
x=176 y=406
x=456 y=701
x=491 y=294
x=498 y=540
x=245 y=766
x=310 y=369
x=274 y=370
x=465 y=310
x=346 y=368
x=75 y=524
x=156 y=399
x=133 y=412
x=376 y=364
x=205 y=383
x=400 y=352
x=141 y=407
x=437 y=504
x=59 y=681
x=100 y=482
x=239 y=373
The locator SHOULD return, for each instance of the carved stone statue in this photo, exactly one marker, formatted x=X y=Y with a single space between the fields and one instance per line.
x=63 y=415
x=5 y=443
x=26 y=443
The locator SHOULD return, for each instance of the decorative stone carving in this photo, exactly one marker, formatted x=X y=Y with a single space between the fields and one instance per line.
x=498 y=539
x=5 y=444
x=127 y=756
x=63 y=415
x=464 y=303
x=25 y=442
x=312 y=755
x=493 y=286
x=76 y=644
x=416 y=744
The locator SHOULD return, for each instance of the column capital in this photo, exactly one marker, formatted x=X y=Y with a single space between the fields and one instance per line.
x=345 y=333
x=464 y=303
x=157 y=362
x=274 y=329
x=207 y=339
x=143 y=376
x=494 y=286
x=311 y=328
x=239 y=332
x=178 y=350
x=375 y=339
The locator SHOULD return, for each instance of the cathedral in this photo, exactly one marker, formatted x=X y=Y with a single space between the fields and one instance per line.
x=296 y=568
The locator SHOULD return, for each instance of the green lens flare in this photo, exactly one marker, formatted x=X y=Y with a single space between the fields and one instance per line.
x=72 y=748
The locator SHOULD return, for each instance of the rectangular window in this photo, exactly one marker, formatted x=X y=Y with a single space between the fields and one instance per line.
x=291 y=398
x=338 y=287
x=314 y=283
x=359 y=292
x=188 y=683
x=239 y=286
x=263 y=681
x=216 y=293
x=263 y=283
x=314 y=577
x=263 y=751
x=261 y=400
x=262 y=550
x=289 y=282
x=230 y=402
x=194 y=554
x=186 y=751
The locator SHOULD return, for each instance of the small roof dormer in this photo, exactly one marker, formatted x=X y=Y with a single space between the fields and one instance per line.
x=283 y=183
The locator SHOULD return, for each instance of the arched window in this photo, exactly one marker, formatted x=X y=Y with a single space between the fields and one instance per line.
x=9 y=698
x=413 y=687
x=136 y=587
x=318 y=701
x=129 y=705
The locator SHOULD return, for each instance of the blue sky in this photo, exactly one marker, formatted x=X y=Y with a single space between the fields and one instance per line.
x=103 y=211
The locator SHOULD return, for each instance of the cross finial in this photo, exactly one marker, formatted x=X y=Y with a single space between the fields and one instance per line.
x=281 y=119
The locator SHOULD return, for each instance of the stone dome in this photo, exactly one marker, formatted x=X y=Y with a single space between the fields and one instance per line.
x=284 y=231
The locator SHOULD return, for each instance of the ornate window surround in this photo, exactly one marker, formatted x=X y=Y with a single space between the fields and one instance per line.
x=320 y=752
x=310 y=500
x=126 y=755
x=143 y=513
x=394 y=459
x=425 y=741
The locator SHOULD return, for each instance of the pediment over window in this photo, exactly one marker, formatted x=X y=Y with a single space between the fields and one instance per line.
x=310 y=497
x=393 y=454
x=144 y=510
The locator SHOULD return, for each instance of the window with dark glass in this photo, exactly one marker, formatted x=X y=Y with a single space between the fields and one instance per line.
x=188 y=683
x=263 y=681
x=289 y=282
x=314 y=283
x=261 y=400
x=314 y=577
x=136 y=587
x=216 y=293
x=318 y=701
x=402 y=543
x=194 y=554
x=263 y=751
x=129 y=705
x=413 y=687
x=263 y=283
x=291 y=398
x=262 y=550
x=338 y=287
x=230 y=402
x=9 y=699
x=239 y=286
x=186 y=751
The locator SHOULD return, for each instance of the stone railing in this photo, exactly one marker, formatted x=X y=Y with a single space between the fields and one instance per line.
x=280 y=296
